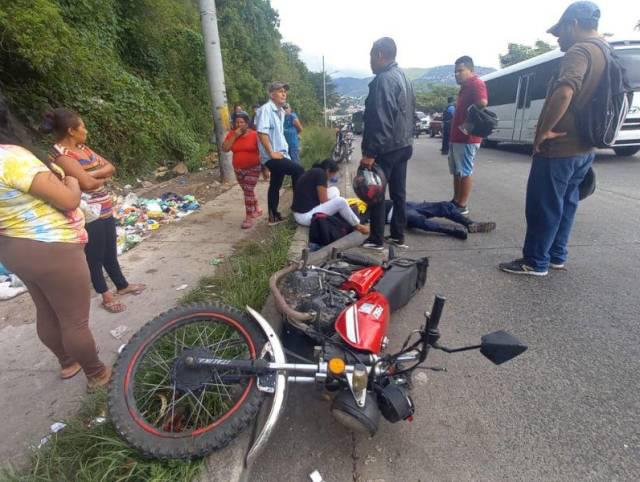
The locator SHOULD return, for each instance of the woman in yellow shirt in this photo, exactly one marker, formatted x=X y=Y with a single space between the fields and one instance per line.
x=42 y=241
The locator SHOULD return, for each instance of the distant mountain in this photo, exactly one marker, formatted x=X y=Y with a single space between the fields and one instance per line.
x=352 y=86
x=422 y=78
x=443 y=74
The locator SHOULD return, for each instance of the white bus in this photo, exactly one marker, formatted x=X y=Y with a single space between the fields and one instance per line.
x=517 y=92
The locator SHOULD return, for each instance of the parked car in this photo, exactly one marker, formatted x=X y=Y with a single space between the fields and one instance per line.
x=435 y=126
x=422 y=123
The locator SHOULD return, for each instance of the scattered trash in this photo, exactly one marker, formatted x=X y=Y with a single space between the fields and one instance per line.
x=182 y=287
x=181 y=169
x=10 y=285
x=55 y=428
x=161 y=172
x=97 y=421
x=118 y=332
x=121 y=347
x=137 y=216
x=216 y=261
x=315 y=476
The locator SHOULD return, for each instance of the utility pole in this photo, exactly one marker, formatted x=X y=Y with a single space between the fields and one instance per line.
x=324 y=92
x=215 y=76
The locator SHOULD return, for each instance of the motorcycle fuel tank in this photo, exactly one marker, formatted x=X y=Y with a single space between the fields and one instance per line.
x=362 y=281
x=363 y=325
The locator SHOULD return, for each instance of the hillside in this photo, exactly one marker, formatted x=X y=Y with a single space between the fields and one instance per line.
x=422 y=78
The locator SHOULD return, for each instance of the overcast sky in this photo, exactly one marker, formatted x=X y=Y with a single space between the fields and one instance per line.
x=427 y=32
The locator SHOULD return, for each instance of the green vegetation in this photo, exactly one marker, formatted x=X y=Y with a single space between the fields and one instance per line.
x=243 y=280
x=135 y=70
x=317 y=144
x=85 y=451
x=518 y=52
x=435 y=99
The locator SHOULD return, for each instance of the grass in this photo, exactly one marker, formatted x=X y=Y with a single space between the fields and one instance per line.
x=244 y=278
x=86 y=452
x=317 y=144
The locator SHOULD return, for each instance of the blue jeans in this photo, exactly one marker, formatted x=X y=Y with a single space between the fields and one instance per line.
x=419 y=214
x=552 y=201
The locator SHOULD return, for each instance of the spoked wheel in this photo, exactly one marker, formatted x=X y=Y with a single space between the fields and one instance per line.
x=167 y=409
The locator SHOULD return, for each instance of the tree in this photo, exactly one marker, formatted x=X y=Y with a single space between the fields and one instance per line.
x=519 y=52
x=435 y=98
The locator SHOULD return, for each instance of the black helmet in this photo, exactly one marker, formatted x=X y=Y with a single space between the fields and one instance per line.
x=370 y=184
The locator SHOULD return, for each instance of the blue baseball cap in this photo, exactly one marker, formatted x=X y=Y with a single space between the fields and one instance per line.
x=576 y=11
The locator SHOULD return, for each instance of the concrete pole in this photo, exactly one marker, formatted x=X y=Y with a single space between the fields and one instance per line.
x=324 y=92
x=217 y=90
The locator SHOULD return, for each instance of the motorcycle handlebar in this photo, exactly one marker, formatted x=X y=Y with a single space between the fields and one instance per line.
x=436 y=313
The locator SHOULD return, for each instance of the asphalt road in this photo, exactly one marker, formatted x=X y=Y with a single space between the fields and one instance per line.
x=567 y=409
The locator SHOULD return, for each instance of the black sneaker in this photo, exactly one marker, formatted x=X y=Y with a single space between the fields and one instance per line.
x=375 y=246
x=558 y=266
x=398 y=243
x=481 y=227
x=520 y=266
x=275 y=219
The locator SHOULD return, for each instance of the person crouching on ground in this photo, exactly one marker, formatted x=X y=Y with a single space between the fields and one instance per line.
x=92 y=172
x=41 y=240
x=243 y=142
x=313 y=196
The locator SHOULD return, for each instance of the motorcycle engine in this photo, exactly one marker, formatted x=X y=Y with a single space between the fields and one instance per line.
x=317 y=292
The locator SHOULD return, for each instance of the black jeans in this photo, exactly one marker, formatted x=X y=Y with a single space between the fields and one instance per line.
x=101 y=251
x=280 y=168
x=394 y=165
x=446 y=129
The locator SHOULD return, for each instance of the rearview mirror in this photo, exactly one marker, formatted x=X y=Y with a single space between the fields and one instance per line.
x=500 y=347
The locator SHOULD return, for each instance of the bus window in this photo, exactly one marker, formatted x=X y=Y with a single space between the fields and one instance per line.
x=630 y=58
x=502 y=90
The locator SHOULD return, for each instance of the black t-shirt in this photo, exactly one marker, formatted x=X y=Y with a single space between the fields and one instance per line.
x=305 y=196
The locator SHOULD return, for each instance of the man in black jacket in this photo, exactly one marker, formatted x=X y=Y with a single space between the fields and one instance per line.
x=388 y=137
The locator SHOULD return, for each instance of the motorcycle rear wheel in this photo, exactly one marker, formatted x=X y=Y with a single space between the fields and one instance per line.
x=168 y=411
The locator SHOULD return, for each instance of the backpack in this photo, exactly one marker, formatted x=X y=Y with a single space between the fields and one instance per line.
x=325 y=229
x=600 y=120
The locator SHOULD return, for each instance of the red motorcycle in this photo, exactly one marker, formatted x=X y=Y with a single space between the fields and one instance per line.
x=195 y=377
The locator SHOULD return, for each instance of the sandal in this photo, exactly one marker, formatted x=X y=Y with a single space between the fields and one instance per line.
x=133 y=289
x=246 y=224
x=100 y=381
x=114 y=306
x=70 y=371
x=257 y=213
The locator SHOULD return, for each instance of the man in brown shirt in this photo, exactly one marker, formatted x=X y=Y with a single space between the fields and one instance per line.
x=561 y=158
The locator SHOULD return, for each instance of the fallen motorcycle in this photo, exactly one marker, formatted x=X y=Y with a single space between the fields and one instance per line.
x=195 y=377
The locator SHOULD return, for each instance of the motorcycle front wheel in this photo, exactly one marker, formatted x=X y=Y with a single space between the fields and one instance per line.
x=168 y=410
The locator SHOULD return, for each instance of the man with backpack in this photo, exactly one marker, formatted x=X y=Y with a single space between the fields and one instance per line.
x=563 y=152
